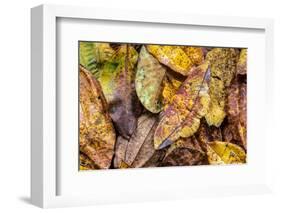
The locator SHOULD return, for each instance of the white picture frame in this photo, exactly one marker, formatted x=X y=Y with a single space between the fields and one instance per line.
x=45 y=171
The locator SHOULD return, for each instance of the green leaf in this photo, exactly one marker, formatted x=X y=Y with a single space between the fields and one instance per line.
x=117 y=79
x=149 y=77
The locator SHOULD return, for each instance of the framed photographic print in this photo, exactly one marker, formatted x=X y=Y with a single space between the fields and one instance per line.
x=129 y=106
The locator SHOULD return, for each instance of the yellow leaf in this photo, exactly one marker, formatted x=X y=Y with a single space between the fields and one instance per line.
x=97 y=134
x=220 y=152
x=223 y=68
x=195 y=54
x=242 y=62
x=172 y=56
x=170 y=87
x=84 y=168
x=181 y=118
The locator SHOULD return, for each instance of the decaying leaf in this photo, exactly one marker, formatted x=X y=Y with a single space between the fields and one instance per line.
x=86 y=163
x=237 y=115
x=182 y=117
x=169 y=105
x=97 y=134
x=225 y=153
x=172 y=56
x=242 y=62
x=117 y=79
x=171 y=85
x=139 y=149
x=206 y=134
x=185 y=152
x=223 y=68
x=156 y=159
x=149 y=76
x=92 y=55
x=120 y=150
x=196 y=54
x=242 y=127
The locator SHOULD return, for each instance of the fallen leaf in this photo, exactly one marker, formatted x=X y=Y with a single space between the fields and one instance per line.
x=85 y=162
x=242 y=62
x=223 y=67
x=196 y=54
x=171 y=85
x=120 y=150
x=156 y=159
x=97 y=135
x=185 y=152
x=139 y=149
x=117 y=79
x=225 y=153
x=149 y=76
x=206 y=134
x=172 y=56
x=93 y=55
x=242 y=127
x=182 y=117
x=237 y=114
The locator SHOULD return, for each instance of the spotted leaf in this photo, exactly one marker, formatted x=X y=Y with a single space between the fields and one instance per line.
x=182 y=117
x=223 y=67
x=117 y=79
x=220 y=152
x=149 y=76
x=172 y=56
x=242 y=62
x=97 y=134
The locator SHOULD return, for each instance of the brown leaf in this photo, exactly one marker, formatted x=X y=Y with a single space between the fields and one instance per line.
x=185 y=152
x=242 y=127
x=117 y=79
x=206 y=134
x=97 y=135
x=182 y=117
x=120 y=150
x=139 y=149
x=237 y=114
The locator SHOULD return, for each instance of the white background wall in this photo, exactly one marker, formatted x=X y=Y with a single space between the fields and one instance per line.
x=15 y=99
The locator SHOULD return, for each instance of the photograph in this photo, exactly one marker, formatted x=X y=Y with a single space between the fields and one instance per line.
x=161 y=105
